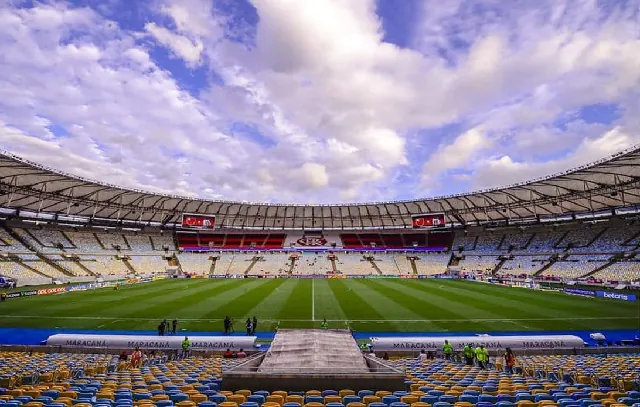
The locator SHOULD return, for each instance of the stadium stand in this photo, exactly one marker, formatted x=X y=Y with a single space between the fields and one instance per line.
x=112 y=241
x=483 y=264
x=195 y=263
x=85 y=242
x=576 y=266
x=139 y=243
x=102 y=380
x=432 y=263
x=148 y=265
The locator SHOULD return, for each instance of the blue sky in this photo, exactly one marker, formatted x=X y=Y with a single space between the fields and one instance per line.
x=318 y=102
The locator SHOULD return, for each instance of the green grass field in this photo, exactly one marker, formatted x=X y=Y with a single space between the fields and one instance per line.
x=362 y=304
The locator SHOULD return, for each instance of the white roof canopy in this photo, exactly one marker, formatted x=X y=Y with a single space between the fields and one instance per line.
x=607 y=184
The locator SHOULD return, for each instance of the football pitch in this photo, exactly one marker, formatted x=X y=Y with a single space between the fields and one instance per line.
x=371 y=305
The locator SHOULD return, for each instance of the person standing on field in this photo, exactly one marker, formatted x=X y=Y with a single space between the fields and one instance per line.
x=255 y=325
x=174 y=326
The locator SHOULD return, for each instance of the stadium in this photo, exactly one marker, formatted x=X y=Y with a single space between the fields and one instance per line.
x=213 y=204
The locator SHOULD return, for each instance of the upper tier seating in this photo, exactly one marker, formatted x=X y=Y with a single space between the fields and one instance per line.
x=148 y=264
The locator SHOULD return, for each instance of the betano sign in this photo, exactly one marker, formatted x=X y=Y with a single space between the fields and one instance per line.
x=203 y=343
x=490 y=342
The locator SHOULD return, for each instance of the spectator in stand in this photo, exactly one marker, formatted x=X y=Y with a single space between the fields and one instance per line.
x=186 y=347
x=509 y=361
x=136 y=358
x=242 y=354
x=228 y=354
x=385 y=356
x=423 y=356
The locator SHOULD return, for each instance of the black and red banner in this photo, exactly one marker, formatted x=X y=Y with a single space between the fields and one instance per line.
x=198 y=221
x=432 y=220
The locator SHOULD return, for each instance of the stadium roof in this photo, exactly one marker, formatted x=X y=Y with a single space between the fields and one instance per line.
x=607 y=184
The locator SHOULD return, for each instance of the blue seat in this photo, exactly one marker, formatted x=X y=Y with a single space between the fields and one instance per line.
x=437 y=393
x=580 y=396
x=256 y=398
x=628 y=401
x=218 y=398
x=326 y=393
x=54 y=394
x=351 y=399
x=168 y=403
x=249 y=404
x=291 y=404
x=506 y=397
x=141 y=396
x=484 y=404
x=565 y=402
x=447 y=398
x=468 y=398
x=377 y=404
x=441 y=404
x=178 y=397
x=588 y=402
x=388 y=400
x=489 y=398
x=471 y=392
x=263 y=393
x=314 y=399
x=334 y=404
x=398 y=404
x=429 y=399
x=363 y=393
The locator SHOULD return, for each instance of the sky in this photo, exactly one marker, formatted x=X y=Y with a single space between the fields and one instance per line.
x=323 y=101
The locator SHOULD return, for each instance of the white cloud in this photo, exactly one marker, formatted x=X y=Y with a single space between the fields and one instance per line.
x=183 y=47
x=332 y=101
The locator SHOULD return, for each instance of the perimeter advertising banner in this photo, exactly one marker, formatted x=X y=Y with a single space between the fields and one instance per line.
x=428 y=220
x=198 y=221
x=490 y=342
x=214 y=343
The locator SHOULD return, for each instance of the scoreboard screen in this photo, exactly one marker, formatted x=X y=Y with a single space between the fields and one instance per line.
x=431 y=220
x=198 y=221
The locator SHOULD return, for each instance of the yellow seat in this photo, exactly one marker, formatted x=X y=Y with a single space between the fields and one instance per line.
x=15 y=392
x=64 y=400
x=33 y=393
x=282 y=393
x=237 y=398
x=198 y=398
x=188 y=403
x=313 y=393
x=269 y=404
x=409 y=399
x=314 y=404
x=275 y=398
x=356 y=404
x=294 y=398
x=346 y=392
x=382 y=393
x=420 y=404
x=34 y=404
x=371 y=399
x=159 y=397
x=245 y=393
x=526 y=403
x=332 y=399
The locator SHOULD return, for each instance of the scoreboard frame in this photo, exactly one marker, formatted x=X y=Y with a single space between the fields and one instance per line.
x=428 y=220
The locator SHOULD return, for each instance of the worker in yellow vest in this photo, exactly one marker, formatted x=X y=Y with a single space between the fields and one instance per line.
x=447 y=349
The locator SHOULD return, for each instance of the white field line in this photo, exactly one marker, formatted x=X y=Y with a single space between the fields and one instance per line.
x=313 y=300
x=87 y=318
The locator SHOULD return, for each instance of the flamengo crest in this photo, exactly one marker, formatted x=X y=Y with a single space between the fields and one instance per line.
x=312 y=241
